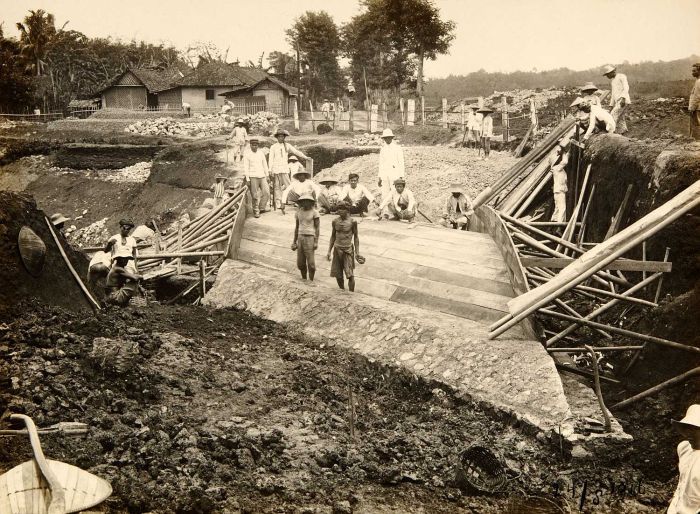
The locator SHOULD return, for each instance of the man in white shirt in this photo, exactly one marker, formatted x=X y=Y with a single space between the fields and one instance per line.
x=588 y=91
x=599 y=120
x=301 y=185
x=356 y=195
x=326 y=109
x=686 y=498
x=256 y=173
x=122 y=243
x=458 y=209
x=400 y=204
x=391 y=163
x=619 y=96
x=694 y=104
x=473 y=130
x=278 y=161
x=486 y=130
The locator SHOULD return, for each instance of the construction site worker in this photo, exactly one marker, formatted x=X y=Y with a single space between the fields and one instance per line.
x=256 y=174
x=238 y=137
x=356 y=196
x=219 y=189
x=344 y=248
x=588 y=91
x=226 y=108
x=619 y=97
x=300 y=186
x=122 y=283
x=686 y=498
x=122 y=243
x=326 y=109
x=58 y=220
x=473 y=126
x=187 y=108
x=306 y=234
x=329 y=195
x=391 y=163
x=600 y=121
x=557 y=163
x=694 y=104
x=400 y=204
x=486 y=130
x=278 y=161
x=458 y=209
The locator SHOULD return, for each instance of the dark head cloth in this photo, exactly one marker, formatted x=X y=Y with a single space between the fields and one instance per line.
x=126 y=221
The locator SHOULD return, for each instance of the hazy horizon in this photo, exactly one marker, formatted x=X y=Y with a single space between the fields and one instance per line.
x=503 y=36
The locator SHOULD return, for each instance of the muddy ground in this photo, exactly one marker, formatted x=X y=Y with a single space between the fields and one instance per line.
x=219 y=411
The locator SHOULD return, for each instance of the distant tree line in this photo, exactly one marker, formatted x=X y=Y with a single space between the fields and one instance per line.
x=482 y=83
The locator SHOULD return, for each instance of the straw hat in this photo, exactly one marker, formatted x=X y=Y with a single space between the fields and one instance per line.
x=58 y=218
x=329 y=180
x=387 y=133
x=399 y=181
x=589 y=86
x=456 y=188
x=221 y=177
x=485 y=110
x=253 y=139
x=577 y=102
x=306 y=196
x=692 y=417
x=608 y=68
x=301 y=172
x=281 y=132
x=292 y=158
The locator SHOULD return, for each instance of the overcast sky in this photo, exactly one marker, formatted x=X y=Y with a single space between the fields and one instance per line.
x=496 y=35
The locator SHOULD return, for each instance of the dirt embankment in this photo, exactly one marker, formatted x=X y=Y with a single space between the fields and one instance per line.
x=52 y=283
x=219 y=411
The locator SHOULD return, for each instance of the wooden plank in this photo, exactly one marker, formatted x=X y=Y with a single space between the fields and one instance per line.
x=475 y=283
x=455 y=308
x=389 y=272
x=619 y=264
x=238 y=225
x=435 y=262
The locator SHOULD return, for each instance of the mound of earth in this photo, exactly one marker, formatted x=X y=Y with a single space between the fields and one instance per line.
x=54 y=284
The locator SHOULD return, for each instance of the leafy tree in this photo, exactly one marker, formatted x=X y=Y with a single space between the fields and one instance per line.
x=36 y=34
x=316 y=38
x=16 y=89
x=283 y=65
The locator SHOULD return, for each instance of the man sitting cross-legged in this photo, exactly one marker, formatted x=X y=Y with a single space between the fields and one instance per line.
x=399 y=204
x=458 y=208
x=329 y=196
x=356 y=195
x=301 y=185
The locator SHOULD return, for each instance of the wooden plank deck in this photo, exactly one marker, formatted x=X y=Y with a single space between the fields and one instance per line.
x=449 y=271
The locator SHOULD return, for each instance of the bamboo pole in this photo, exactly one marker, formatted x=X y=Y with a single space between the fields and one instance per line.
x=601 y=255
x=597 y=349
x=313 y=122
x=569 y=230
x=91 y=300
x=661 y=280
x=663 y=385
x=603 y=292
x=422 y=110
x=598 y=392
x=202 y=278
x=181 y=255
x=617 y=219
x=582 y=229
x=189 y=289
x=535 y=192
x=576 y=314
x=621 y=331
x=584 y=373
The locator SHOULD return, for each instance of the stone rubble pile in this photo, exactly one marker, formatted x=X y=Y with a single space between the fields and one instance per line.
x=367 y=139
x=94 y=234
x=138 y=173
x=205 y=125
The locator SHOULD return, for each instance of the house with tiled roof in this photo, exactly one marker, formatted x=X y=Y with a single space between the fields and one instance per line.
x=204 y=88
x=210 y=84
x=139 y=87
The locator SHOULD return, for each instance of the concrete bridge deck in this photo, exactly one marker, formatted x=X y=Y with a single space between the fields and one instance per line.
x=423 y=301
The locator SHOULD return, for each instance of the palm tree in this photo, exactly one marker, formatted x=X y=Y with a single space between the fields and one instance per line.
x=36 y=34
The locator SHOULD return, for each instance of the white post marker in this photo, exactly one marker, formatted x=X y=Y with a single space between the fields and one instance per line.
x=444 y=113
x=411 y=114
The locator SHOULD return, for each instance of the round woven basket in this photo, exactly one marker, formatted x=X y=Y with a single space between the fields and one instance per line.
x=32 y=250
x=481 y=470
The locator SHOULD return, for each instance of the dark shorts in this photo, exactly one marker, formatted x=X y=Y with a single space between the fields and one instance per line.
x=343 y=262
x=305 y=252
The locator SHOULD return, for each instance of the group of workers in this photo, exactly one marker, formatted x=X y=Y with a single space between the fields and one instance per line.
x=589 y=113
x=479 y=128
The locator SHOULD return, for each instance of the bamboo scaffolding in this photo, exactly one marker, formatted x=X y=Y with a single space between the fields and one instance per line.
x=596 y=348
x=663 y=385
x=598 y=393
x=569 y=230
x=576 y=314
x=598 y=257
x=584 y=373
x=621 y=331
x=602 y=292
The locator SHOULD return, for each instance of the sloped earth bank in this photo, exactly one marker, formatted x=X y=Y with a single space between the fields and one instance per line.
x=220 y=411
